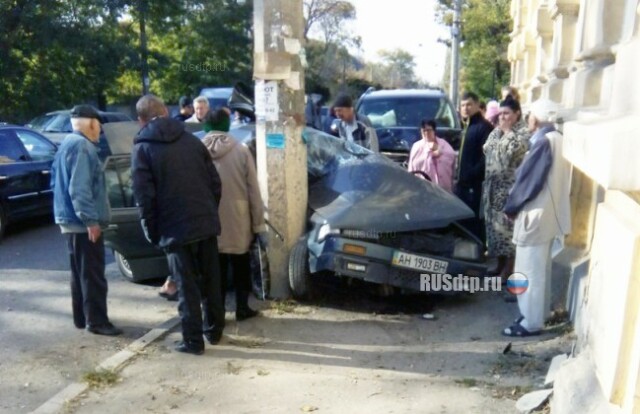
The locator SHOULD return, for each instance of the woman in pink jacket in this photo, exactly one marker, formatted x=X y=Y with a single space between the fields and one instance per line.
x=433 y=156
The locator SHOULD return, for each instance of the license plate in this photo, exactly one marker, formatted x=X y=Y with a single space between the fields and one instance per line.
x=420 y=263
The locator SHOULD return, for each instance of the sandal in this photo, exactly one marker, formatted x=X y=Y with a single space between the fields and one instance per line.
x=517 y=330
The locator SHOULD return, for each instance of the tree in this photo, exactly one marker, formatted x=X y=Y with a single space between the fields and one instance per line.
x=485 y=33
x=400 y=66
x=329 y=15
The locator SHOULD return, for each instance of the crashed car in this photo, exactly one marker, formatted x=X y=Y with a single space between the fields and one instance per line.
x=369 y=219
x=372 y=220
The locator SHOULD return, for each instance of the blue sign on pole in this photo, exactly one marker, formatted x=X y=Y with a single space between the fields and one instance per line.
x=275 y=141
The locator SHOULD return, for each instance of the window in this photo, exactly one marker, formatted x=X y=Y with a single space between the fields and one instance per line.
x=38 y=148
x=408 y=112
x=10 y=150
x=61 y=123
x=117 y=172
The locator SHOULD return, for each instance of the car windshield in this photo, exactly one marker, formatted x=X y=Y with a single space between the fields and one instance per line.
x=39 y=123
x=407 y=111
x=60 y=123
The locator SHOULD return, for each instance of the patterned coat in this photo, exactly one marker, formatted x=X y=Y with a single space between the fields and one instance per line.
x=503 y=154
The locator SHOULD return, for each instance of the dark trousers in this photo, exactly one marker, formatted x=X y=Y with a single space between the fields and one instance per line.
x=196 y=269
x=240 y=267
x=471 y=196
x=88 y=284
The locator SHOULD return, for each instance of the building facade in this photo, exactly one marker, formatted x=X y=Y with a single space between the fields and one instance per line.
x=585 y=55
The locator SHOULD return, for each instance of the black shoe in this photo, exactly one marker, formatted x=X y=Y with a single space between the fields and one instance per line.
x=213 y=337
x=189 y=349
x=247 y=313
x=106 y=329
x=79 y=325
x=173 y=297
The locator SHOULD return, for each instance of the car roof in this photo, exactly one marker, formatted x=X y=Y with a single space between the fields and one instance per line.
x=102 y=113
x=404 y=93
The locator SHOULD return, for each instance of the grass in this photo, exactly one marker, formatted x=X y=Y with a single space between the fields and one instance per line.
x=284 y=306
x=100 y=378
x=247 y=341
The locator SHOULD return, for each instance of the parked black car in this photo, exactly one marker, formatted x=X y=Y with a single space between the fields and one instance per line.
x=25 y=169
x=396 y=116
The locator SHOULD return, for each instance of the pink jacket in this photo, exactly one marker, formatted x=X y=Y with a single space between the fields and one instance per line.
x=437 y=165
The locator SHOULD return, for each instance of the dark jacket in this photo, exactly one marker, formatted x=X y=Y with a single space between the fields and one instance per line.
x=471 y=158
x=532 y=174
x=175 y=183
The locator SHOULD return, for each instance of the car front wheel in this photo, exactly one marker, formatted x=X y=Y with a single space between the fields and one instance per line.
x=299 y=276
x=123 y=266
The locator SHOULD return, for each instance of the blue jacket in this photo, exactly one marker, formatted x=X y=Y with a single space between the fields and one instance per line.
x=79 y=192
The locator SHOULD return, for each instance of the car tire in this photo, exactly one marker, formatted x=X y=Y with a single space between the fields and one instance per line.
x=124 y=267
x=3 y=221
x=299 y=276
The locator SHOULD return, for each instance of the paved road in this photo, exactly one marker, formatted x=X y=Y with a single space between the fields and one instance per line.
x=41 y=350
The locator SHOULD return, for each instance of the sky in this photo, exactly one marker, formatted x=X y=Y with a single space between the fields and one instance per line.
x=404 y=24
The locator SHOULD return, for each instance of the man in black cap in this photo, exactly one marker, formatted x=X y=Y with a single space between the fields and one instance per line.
x=178 y=205
x=81 y=209
x=354 y=127
x=186 y=109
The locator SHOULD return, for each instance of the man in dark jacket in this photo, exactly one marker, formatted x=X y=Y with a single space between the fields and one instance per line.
x=470 y=172
x=177 y=190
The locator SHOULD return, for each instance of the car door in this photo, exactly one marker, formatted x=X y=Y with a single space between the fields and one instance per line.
x=20 y=177
x=41 y=153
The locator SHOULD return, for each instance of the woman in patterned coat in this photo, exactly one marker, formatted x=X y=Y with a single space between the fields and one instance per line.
x=504 y=150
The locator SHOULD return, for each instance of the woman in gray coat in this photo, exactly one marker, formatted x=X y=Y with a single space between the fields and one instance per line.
x=241 y=209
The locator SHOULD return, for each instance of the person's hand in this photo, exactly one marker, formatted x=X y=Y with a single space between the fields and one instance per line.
x=509 y=217
x=94 y=233
x=263 y=239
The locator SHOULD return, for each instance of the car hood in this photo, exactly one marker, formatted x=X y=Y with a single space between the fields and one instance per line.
x=353 y=188
x=397 y=139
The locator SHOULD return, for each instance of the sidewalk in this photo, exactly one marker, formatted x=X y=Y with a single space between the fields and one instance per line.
x=330 y=360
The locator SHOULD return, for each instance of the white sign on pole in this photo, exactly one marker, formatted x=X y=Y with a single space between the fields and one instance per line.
x=267 y=107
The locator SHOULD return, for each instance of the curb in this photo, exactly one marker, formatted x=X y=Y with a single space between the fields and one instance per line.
x=114 y=363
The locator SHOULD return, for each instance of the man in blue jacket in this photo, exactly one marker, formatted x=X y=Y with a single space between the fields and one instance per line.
x=177 y=189
x=80 y=209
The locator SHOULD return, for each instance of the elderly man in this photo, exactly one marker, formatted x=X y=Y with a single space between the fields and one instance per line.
x=178 y=203
x=80 y=209
x=354 y=127
x=539 y=202
x=200 y=108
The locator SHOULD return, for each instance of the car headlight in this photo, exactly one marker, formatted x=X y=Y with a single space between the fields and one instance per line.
x=466 y=249
x=326 y=230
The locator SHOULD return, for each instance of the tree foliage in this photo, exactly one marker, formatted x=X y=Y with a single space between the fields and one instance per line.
x=54 y=53
x=485 y=34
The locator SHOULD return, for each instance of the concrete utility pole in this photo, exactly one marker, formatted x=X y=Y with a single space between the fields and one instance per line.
x=455 y=51
x=282 y=155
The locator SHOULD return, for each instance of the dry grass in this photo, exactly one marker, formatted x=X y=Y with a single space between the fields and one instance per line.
x=100 y=378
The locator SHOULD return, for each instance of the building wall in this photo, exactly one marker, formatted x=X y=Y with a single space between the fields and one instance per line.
x=585 y=55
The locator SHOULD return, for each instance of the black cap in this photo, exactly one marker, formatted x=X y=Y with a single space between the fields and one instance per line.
x=184 y=101
x=85 y=111
x=343 y=101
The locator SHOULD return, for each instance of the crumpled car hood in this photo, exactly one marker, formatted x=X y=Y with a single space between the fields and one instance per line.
x=353 y=188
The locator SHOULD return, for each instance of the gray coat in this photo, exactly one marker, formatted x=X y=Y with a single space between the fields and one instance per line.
x=241 y=209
